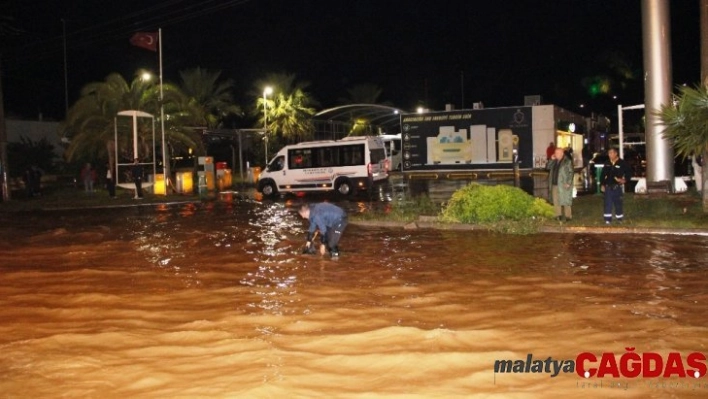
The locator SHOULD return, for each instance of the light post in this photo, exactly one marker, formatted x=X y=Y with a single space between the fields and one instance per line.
x=266 y=92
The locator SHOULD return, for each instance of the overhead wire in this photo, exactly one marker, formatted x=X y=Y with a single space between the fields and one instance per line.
x=157 y=16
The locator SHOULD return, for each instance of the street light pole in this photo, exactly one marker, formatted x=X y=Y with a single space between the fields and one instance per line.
x=267 y=91
x=66 y=73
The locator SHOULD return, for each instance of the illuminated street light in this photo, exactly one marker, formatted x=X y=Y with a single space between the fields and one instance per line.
x=266 y=92
x=145 y=76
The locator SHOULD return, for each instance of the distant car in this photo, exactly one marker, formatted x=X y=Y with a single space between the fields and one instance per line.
x=633 y=157
x=637 y=160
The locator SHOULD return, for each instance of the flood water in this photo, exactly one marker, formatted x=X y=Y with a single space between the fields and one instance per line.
x=215 y=300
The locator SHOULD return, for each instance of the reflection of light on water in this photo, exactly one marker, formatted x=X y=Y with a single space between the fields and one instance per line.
x=278 y=228
x=165 y=244
x=397 y=311
x=188 y=210
x=363 y=207
x=272 y=287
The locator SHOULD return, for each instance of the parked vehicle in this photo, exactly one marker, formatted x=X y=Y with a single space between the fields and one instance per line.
x=392 y=142
x=634 y=158
x=346 y=165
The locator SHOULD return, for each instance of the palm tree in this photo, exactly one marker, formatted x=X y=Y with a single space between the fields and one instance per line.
x=686 y=123
x=290 y=108
x=210 y=100
x=366 y=93
x=90 y=121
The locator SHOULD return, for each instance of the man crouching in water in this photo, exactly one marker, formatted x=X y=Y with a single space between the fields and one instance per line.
x=331 y=221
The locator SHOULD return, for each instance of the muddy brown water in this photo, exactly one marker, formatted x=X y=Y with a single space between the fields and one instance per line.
x=215 y=300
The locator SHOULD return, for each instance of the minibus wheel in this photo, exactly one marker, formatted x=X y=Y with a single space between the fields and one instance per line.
x=268 y=189
x=344 y=187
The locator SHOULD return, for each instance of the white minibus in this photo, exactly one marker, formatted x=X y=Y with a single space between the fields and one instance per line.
x=346 y=165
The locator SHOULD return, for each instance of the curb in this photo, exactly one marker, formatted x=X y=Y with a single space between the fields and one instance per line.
x=424 y=224
x=134 y=205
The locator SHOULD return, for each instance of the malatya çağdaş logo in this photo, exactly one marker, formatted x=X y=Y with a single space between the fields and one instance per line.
x=608 y=364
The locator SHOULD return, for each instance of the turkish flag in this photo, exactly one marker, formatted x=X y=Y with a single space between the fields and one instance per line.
x=146 y=40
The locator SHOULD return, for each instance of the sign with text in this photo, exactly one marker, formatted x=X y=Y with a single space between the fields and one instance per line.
x=467 y=139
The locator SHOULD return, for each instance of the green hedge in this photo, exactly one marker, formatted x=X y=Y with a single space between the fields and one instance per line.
x=488 y=204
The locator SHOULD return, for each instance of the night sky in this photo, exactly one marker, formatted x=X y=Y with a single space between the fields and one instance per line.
x=416 y=51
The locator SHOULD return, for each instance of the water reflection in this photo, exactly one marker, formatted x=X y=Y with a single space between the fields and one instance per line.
x=215 y=300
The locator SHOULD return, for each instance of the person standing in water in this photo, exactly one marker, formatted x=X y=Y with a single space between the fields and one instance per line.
x=330 y=220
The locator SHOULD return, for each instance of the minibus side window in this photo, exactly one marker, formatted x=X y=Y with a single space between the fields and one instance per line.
x=300 y=158
x=326 y=156
x=351 y=155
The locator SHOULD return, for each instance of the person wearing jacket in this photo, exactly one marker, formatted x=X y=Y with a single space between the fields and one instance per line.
x=137 y=171
x=561 y=183
x=330 y=220
x=615 y=174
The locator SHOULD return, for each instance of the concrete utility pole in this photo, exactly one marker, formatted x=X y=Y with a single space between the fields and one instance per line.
x=704 y=82
x=704 y=42
x=4 y=175
x=656 y=34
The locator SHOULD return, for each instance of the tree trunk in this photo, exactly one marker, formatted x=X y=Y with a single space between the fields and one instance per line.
x=704 y=82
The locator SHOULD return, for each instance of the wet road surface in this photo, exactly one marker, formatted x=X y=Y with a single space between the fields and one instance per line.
x=215 y=300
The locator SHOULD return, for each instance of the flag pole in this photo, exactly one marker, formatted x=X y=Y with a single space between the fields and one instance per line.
x=165 y=168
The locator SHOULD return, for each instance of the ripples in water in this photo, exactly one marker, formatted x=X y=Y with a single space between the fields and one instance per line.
x=216 y=300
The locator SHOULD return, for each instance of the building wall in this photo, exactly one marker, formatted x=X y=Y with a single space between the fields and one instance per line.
x=544 y=132
x=574 y=139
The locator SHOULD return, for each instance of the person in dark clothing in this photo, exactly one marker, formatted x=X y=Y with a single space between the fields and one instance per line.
x=28 y=178
x=110 y=182
x=137 y=173
x=88 y=176
x=330 y=220
x=587 y=156
x=550 y=150
x=615 y=174
x=37 y=181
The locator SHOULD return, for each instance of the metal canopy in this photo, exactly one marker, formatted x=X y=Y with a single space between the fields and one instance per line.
x=384 y=116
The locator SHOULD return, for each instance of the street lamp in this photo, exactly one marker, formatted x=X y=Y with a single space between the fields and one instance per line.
x=266 y=92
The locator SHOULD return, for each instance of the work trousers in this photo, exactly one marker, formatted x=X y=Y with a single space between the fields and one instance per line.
x=613 y=198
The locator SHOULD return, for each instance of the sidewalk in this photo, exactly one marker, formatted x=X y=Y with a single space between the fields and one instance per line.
x=432 y=223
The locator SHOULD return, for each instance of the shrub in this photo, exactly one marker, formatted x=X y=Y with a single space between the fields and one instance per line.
x=489 y=204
